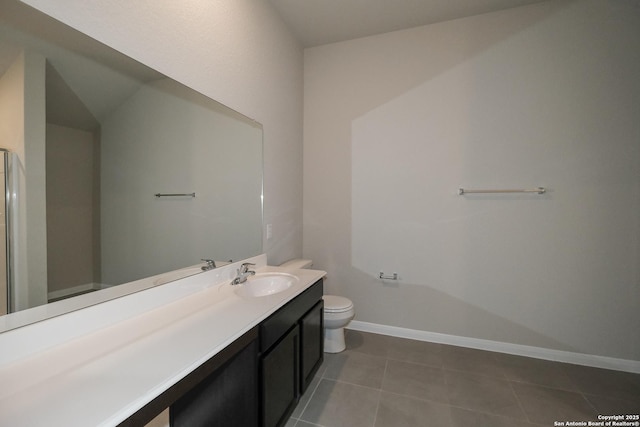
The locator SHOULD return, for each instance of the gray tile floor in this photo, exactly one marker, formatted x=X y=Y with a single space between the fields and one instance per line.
x=382 y=381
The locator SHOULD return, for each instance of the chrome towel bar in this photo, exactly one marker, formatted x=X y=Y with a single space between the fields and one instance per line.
x=175 y=194
x=539 y=190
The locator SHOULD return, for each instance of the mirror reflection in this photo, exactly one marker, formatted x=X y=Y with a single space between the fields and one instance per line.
x=113 y=172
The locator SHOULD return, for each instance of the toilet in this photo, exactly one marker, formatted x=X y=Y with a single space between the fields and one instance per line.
x=338 y=312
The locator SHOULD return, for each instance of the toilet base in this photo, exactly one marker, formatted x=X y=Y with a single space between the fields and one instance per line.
x=334 y=340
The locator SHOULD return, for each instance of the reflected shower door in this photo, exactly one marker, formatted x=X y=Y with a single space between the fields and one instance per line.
x=4 y=283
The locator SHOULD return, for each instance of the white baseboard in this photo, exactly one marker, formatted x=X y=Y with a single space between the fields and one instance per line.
x=501 y=347
x=63 y=293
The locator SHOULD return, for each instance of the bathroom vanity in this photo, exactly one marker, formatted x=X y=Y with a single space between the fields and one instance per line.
x=197 y=345
x=258 y=380
x=291 y=352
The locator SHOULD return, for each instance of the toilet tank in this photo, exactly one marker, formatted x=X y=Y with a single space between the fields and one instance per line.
x=295 y=264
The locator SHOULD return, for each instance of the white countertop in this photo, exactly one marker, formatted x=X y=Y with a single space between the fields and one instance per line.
x=99 y=365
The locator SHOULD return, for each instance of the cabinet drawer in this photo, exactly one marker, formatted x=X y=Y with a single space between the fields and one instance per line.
x=280 y=322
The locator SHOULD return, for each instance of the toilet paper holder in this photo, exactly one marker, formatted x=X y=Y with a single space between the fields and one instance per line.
x=394 y=276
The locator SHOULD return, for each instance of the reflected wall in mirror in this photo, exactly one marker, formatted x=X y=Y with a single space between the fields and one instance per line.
x=94 y=136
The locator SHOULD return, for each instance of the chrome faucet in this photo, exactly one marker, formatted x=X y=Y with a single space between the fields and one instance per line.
x=211 y=264
x=243 y=273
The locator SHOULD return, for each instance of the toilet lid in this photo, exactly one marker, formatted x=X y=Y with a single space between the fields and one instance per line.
x=333 y=303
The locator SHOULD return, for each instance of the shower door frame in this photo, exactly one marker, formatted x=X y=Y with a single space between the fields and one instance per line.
x=8 y=228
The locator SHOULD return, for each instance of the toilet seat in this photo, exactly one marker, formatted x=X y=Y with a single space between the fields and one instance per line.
x=336 y=304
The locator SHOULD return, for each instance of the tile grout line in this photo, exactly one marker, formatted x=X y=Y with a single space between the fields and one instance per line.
x=375 y=416
x=584 y=397
x=506 y=372
x=310 y=397
x=515 y=394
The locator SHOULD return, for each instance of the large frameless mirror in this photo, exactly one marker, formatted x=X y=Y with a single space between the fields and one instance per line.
x=114 y=173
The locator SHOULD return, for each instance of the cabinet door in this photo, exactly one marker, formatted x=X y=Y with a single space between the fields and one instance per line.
x=227 y=397
x=311 y=344
x=280 y=379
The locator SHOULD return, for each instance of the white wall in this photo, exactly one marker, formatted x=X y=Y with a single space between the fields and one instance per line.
x=237 y=52
x=543 y=95
x=71 y=216
x=35 y=181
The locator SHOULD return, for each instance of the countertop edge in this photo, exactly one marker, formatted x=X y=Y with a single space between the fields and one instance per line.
x=116 y=354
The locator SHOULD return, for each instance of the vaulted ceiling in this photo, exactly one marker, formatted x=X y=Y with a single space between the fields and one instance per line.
x=317 y=22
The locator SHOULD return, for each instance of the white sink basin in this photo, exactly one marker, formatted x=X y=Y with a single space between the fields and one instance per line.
x=265 y=284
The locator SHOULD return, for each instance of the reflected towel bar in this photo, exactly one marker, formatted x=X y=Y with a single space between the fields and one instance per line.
x=539 y=190
x=176 y=195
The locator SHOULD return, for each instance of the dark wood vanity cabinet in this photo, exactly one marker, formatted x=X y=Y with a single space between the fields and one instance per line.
x=257 y=380
x=311 y=344
x=291 y=351
x=280 y=378
x=226 y=397
x=223 y=391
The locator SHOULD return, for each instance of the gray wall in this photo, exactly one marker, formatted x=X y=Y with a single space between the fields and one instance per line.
x=161 y=140
x=71 y=176
x=543 y=95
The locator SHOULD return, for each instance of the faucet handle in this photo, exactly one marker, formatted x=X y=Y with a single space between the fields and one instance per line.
x=245 y=267
x=210 y=263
